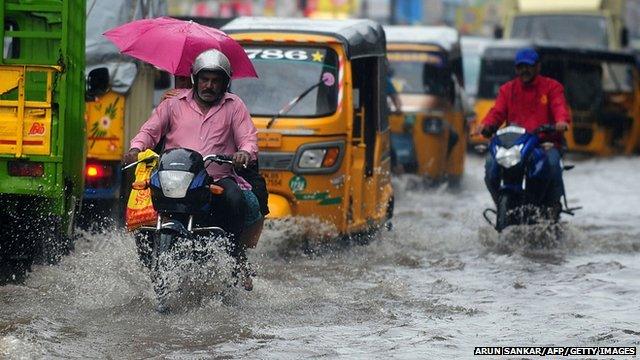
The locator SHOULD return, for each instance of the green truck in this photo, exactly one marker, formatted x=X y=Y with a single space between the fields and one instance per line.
x=42 y=127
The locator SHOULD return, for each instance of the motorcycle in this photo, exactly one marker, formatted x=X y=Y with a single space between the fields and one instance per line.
x=520 y=158
x=181 y=193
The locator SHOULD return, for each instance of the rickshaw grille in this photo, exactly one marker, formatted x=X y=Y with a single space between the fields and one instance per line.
x=582 y=136
x=275 y=161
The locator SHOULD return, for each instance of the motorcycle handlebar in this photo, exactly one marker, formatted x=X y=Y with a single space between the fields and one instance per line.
x=219 y=159
x=545 y=128
x=129 y=166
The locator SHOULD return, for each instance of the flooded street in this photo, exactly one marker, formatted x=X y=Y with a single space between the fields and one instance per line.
x=436 y=286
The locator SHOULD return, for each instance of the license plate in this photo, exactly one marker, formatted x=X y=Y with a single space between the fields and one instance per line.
x=269 y=140
x=273 y=178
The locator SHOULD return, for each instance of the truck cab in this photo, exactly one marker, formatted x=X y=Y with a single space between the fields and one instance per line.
x=582 y=23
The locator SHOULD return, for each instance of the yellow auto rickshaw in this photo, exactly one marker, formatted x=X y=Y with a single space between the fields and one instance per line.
x=496 y=68
x=318 y=105
x=602 y=89
x=427 y=136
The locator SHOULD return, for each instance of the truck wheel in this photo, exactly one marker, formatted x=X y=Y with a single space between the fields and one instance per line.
x=50 y=242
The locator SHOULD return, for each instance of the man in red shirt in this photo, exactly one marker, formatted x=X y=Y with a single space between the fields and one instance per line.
x=530 y=101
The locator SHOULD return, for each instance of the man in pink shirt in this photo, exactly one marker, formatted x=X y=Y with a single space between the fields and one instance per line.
x=209 y=120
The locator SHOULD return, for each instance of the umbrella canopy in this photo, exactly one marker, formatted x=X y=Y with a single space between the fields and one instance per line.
x=173 y=44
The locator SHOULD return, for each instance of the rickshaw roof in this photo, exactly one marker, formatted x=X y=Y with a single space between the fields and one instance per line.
x=360 y=37
x=445 y=37
x=506 y=49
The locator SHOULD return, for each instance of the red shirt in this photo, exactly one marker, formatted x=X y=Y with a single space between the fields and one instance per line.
x=530 y=106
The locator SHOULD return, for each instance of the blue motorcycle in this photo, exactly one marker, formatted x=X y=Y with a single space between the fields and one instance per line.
x=520 y=159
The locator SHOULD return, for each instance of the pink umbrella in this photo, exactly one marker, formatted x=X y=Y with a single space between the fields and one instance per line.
x=173 y=44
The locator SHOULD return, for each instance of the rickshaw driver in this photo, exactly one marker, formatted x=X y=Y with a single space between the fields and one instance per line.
x=210 y=120
x=530 y=101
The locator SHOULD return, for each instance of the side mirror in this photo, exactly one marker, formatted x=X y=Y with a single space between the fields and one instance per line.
x=624 y=37
x=498 y=32
x=97 y=83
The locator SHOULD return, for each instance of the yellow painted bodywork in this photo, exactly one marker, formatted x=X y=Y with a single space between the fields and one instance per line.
x=602 y=142
x=105 y=126
x=482 y=107
x=431 y=149
x=26 y=123
x=347 y=199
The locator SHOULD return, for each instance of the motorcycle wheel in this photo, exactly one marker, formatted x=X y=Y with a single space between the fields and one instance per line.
x=160 y=270
x=503 y=216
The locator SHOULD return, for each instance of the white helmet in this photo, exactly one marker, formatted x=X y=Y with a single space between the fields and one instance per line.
x=211 y=60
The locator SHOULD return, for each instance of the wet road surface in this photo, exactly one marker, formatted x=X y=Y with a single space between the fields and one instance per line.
x=437 y=285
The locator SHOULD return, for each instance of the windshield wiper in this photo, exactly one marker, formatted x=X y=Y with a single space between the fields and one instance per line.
x=293 y=103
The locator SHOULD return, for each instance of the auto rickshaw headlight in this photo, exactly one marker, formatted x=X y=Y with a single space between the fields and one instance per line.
x=312 y=158
x=318 y=158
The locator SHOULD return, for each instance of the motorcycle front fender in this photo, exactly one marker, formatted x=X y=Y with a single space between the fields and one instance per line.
x=174 y=228
x=279 y=207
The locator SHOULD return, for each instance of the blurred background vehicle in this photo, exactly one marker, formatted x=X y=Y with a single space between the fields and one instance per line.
x=319 y=106
x=120 y=95
x=427 y=136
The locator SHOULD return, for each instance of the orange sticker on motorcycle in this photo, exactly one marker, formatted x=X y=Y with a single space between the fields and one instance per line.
x=544 y=100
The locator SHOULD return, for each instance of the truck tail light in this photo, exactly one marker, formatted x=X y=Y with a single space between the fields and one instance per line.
x=96 y=171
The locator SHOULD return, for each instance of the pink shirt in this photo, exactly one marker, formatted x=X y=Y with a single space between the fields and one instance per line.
x=223 y=130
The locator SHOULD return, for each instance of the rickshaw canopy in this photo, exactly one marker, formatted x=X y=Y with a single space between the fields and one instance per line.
x=506 y=49
x=360 y=37
x=444 y=37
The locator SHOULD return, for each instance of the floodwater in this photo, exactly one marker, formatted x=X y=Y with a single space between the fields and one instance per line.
x=439 y=284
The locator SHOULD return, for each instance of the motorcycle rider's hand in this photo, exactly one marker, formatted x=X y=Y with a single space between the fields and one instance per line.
x=562 y=126
x=241 y=159
x=169 y=94
x=487 y=131
x=131 y=156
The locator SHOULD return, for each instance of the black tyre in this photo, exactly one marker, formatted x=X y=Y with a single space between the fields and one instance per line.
x=504 y=212
x=51 y=242
x=161 y=264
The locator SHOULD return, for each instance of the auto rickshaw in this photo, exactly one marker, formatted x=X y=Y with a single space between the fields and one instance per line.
x=427 y=137
x=602 y=89
x=318 y=105
x=496 y=68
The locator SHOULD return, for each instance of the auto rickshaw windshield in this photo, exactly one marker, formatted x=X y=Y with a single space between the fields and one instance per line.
x=434 y=79
x=285 y=73
x=494 y=73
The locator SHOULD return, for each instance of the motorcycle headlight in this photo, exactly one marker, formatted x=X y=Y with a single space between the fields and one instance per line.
x=509 y=157
x=175 y=183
